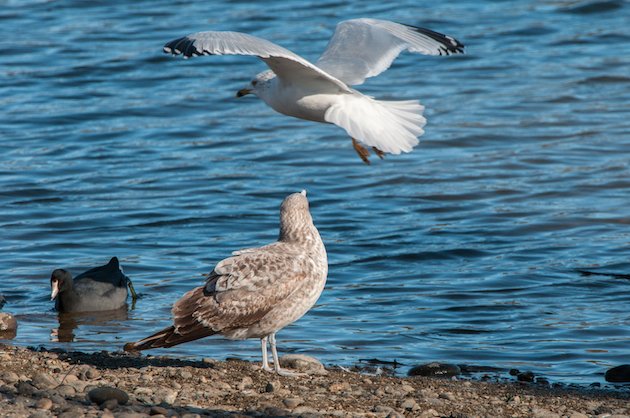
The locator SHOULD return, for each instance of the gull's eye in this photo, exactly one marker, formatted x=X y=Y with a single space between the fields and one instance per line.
x=254 y=82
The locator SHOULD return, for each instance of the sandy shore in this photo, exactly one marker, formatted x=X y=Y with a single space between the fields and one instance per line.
x=40 y=383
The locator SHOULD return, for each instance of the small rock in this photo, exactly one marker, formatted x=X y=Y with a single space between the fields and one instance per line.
x=525 y=377
x=410 y=404
x=71 y=378
x=158 y=410
x=169 y=396
x=44 y=403
x=143 y=394
x=109 y=404
x=92 y=374
x=8 y=324
x=435 y=370
x=74 y=412
x=514 y=372
x=26 y=389
x=340 y=387
x=245 y=383
x=142 y=390
x=306 y=411
x=146 y=378
x=382 y=408
x=43 y=380
x=292 y=403
x=543 y=413
x=575 y=414
x=104 y=393
x=79 y=386
x=271 y=387
x=447 y=395
x=603 y=410
x=302 y=363
x=66 y=391
x=185 y=374
x=9 y=377
x=407 y=388
x=40 y=414
x=221 y=385
x=131 y=415
x=618 y=374
x=58 y=401
x=276 y=412
x=542 y=381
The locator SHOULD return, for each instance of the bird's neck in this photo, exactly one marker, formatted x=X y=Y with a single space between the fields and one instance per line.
x=304 y=234
x=68 y=295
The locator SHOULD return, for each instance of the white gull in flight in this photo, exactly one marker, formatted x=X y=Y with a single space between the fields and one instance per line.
x=321 y=92
x=257 y=291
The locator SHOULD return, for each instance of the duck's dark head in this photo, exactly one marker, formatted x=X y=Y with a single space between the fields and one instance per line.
x=60 y=280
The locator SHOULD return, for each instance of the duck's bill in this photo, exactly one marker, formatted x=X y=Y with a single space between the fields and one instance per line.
x=55 y=290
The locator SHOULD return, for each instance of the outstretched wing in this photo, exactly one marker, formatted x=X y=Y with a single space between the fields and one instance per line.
x=363 y=48
x=283 y=62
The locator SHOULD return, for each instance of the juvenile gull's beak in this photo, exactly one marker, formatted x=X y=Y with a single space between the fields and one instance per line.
x=243 y=92
x=55 y=290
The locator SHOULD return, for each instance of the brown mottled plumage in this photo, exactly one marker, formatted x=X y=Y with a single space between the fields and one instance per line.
x=257 y=291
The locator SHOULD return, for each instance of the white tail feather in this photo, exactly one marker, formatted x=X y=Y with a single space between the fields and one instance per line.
x=392 y=127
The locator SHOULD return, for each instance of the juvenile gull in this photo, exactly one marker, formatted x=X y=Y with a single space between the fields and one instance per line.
x=320 y=92
x=102 y=288
x=257 y=291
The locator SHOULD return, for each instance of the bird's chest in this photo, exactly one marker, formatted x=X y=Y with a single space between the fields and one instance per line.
x=301 y=102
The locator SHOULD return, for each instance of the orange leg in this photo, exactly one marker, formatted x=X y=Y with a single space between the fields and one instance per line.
x=363 y=153
x=378 y=152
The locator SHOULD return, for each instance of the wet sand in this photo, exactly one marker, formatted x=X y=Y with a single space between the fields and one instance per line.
x=41 y=383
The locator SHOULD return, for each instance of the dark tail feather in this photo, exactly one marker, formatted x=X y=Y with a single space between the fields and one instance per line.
x=168 y=338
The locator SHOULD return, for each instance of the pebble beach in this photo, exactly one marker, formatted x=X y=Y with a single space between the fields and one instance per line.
x=42 y=383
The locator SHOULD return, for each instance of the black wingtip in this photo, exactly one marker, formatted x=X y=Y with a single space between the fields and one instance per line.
x=449 y=45
x=179 y=46
x=185 y=47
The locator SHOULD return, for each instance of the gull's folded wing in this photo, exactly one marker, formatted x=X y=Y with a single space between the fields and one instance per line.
x=363 y=48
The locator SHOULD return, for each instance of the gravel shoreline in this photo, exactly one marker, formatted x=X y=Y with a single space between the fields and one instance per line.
x=41 y=383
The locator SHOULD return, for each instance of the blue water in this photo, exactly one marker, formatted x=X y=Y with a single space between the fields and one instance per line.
x=462 y=251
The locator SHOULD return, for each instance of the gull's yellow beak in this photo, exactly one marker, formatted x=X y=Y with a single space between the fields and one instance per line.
x=243 y=92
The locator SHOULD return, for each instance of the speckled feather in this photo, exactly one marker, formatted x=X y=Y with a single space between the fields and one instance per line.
x=257 y=291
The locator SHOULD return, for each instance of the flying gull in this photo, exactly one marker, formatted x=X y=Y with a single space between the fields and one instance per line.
x=257 y=291
x=321 y=92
